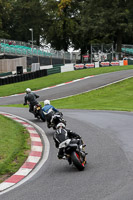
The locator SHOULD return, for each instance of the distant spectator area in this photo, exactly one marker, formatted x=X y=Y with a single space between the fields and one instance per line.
x=127 y=49
x=25 y=49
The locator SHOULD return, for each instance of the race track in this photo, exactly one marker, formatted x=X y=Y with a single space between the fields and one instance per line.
x=72 y=88
x=108 y=135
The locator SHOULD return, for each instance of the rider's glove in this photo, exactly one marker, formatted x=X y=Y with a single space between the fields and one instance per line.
x=25 y=104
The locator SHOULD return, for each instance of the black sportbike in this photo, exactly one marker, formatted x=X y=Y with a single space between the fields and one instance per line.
x=73 y=151
x=38 y=113
x=53 y=118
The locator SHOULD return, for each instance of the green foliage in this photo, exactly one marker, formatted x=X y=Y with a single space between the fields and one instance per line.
x=64 y=4
x=26 y=15
x=68 y=22
x=5 y=13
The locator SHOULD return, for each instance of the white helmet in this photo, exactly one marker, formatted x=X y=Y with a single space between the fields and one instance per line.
x=28 y=90
x=60 y=125
x=46 y=102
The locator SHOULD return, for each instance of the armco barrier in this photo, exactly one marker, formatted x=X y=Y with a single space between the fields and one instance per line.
x=5 y=74
x=54 y=70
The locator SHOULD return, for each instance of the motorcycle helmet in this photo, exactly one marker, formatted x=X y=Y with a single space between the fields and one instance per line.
x=28 y=90
x=61 y=125
x=63 y=121
x=46 y=102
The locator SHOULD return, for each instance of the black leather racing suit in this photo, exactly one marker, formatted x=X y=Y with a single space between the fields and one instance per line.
x=61 y=135
x=31 y=98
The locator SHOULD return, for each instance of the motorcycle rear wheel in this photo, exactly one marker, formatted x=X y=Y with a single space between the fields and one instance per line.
x=41 y=116
x=77 y=161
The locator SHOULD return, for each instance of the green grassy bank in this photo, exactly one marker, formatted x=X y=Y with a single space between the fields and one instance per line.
x=14 y=146
x=55 y=79
x=118 y=96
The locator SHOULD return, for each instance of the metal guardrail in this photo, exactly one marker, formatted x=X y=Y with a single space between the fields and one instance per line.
x=20 y=48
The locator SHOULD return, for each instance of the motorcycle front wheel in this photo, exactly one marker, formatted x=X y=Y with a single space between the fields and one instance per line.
x=77 y=161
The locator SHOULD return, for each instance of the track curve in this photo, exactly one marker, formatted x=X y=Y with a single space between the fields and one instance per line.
x=109 y=172
x=72 y=88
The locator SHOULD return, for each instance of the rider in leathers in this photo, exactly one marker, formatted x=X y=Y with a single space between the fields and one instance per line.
x=61 y=135
x=31 y=98
x=48 y=111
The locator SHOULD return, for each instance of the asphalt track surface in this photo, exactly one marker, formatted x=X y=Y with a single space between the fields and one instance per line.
x=72 y=88
x=109 y=172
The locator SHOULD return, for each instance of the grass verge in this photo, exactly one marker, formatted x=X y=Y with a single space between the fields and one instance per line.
x=118 y=96
x=14 y=146
x=55 y=79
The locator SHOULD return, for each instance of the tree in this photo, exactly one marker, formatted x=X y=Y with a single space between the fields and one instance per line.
x=68 y=22
x=5 y=13
x=49 y=25
x=56 y=24
x=108 y=21
x=61 y=22
x=26 y=14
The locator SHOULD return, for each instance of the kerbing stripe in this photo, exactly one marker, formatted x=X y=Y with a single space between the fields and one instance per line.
x=35 y=139
x=5 y=185
x=31 y=131
x=28 y=165
x=14 y=179
x=34 y=135
x=33 y=158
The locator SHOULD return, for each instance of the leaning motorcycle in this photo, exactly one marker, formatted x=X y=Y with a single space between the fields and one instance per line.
x=56 y=119
x=38 y=113
x=73 y=150
x=53 y=118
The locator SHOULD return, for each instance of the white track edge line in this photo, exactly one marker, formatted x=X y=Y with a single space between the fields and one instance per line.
x=94 y=88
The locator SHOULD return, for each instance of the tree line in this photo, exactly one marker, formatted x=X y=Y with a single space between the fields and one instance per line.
x=65 y=23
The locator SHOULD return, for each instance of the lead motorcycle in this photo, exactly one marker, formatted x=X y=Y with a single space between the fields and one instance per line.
x=74 y=152
x=38 y=113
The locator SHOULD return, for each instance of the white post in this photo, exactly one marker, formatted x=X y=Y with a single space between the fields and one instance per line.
x=31 y=29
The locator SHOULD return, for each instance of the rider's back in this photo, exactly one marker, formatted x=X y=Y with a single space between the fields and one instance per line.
x=61 y=135
x=31 y=97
